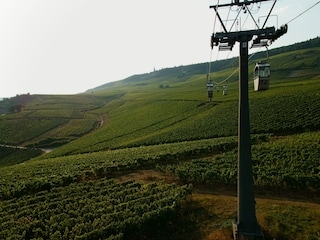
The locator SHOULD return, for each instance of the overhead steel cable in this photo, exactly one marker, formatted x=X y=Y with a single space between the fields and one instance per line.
x=227 y=78
x=303 y=12
x=210 y=60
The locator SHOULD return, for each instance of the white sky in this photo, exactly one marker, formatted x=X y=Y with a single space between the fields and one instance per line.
x=69 y=46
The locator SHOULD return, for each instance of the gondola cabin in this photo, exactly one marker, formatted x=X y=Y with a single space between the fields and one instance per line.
x=261 y=76
x=210 y=89
x=225 y=90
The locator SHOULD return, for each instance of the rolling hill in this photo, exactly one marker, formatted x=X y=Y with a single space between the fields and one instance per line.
x=121 y=159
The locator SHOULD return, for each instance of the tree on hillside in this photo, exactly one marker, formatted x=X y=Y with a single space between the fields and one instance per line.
x=15 y=108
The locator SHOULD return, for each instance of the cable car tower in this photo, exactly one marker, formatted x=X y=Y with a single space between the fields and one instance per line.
x=245 y=226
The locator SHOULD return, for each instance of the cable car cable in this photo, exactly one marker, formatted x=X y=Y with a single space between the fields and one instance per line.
x=267 y=53
x=227 y=78
x=228 y=16
x=239 y=10
x=214 y=26
x=303 y=12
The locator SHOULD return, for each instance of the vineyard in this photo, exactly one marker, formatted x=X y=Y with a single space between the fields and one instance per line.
x=295 y=111
x=291 y=163
x=288 y=164
x=37 y=175
x=92 y=210
x=150 y=158
x=11 y=156
x=50 y=121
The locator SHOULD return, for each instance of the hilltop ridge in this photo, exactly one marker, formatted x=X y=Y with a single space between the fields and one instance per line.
x=184 y=71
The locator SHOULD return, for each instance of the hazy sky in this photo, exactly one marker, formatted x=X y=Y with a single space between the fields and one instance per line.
x=69 y=46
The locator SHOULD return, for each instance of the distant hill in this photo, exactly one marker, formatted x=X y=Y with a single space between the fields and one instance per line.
x=202 y=68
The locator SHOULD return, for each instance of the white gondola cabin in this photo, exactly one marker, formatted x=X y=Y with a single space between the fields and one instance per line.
x=225 y=90
x=261 y=76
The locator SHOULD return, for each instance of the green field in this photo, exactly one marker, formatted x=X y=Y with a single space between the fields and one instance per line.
x=149 y=157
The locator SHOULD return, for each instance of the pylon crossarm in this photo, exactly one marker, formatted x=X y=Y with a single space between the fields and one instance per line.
x=238 y=3
x=231 y=37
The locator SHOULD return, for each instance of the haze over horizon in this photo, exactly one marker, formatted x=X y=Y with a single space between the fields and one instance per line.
x=68 y=47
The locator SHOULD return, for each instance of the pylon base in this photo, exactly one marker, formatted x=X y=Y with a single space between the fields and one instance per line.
x=241 y=234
